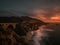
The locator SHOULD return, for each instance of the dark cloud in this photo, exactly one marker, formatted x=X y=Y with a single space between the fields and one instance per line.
x=28 y=6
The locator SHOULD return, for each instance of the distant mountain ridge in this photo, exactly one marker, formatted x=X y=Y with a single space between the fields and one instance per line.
x=19 y=19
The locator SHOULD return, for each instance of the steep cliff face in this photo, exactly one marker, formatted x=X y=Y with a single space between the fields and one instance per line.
x=22 y=25
x=23 y=21
x=31 y=23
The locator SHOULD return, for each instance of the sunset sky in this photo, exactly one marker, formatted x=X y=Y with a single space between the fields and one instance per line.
x=41 y=9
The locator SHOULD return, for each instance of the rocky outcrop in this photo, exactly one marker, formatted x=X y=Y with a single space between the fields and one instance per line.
x=22 y=25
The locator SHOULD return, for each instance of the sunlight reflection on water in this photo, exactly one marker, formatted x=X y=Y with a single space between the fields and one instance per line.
x=40 y=34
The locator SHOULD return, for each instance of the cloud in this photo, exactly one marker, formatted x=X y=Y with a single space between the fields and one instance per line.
x=47 y=13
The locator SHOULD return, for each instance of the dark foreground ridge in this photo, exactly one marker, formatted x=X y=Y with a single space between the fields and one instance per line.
x=17 y=27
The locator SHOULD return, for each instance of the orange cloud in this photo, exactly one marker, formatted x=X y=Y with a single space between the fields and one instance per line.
x=48 y=15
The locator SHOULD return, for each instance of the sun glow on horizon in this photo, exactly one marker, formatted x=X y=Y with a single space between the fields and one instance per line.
x=56 y=17
x=52 y=19
x=48 y=15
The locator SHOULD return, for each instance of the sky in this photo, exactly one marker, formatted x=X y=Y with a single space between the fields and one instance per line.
x=40 y=9
x=27 y=5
